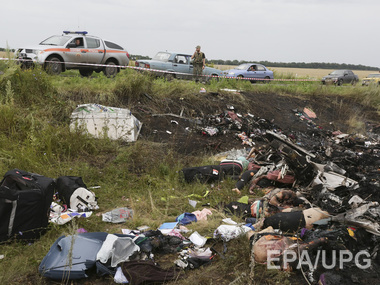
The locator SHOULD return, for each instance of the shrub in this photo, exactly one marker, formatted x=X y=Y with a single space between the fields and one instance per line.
x=131 y=86
x=29 y=87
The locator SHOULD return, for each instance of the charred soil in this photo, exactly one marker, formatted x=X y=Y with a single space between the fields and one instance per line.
x=180 y=123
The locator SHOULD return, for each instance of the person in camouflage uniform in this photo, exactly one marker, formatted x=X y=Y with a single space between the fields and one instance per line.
x=198 y=63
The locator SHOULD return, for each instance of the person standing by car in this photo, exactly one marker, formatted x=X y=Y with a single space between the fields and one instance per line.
x=198 y=63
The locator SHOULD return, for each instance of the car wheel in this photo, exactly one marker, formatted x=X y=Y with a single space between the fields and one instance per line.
x=340 y=82
x=267 y=79
x=240 y=76
x=86 y=72
x=26 y=64
x=216 y=78
x=168 y=76
x=111 y=69
x=53 y=65
x=353 y=82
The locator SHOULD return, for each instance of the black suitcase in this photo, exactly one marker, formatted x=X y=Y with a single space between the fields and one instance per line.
x=66 y=185
x=204 y=174
x=25 y=200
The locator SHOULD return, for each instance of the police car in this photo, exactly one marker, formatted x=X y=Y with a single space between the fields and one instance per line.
x=75 y=50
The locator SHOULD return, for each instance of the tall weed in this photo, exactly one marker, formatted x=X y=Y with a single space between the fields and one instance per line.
x=29 y=87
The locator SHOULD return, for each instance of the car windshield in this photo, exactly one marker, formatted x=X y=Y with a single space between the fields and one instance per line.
x=243 y=66
x=162 y=56
x=374 y=75
x=337 y=72
x=56 y=40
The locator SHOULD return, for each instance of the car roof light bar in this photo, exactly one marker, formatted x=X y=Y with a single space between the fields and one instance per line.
x=75 y=32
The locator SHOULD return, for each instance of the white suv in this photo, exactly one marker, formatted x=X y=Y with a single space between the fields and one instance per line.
x=75 y=50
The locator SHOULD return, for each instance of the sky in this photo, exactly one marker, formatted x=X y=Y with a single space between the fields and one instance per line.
x=335 y=31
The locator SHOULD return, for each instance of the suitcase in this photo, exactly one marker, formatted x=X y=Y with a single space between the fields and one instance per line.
x=25 y=200
x=203 y=174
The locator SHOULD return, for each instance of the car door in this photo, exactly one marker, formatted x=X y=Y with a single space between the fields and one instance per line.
x=261 y=72
x=95 y=50
x=181 y=64
x=76 y=53
x=347 y=76
x=251 y=72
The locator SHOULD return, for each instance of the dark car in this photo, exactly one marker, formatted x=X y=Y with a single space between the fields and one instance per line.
x=341 y=76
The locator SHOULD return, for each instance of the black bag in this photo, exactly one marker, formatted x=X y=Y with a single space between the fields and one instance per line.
x=232 y=168
x=66 y=185
x=25 y=200
x=208 y=173
x=238 y=209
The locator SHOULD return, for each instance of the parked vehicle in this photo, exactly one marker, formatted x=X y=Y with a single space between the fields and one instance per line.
x=255 y=71
x=340 y=76
x=373 y=78
x=75 y=50
x=174 y=65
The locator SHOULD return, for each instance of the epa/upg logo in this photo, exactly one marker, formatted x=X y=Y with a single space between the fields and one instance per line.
x=328 y=259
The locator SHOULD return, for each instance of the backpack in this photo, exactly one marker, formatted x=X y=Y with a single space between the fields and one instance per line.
x=25 y=200
x=66 y=185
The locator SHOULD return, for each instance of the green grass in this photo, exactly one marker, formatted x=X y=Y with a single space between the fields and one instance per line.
x=35 y=113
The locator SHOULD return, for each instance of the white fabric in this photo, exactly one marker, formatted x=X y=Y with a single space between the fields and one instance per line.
x=120 y=277
x=228 y=232
x=204 y=253
x=105 y=251
x=229 y=221
x=122 y=249
x=197 y=239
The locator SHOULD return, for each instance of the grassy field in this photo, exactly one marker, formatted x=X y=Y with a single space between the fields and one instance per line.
x=35 y=111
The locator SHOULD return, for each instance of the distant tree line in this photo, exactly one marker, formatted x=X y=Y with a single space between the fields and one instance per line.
x=322 y=65
x=4 y=49
x=137 y=56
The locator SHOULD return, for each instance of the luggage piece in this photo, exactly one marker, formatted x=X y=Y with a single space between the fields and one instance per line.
x=231 y=168
x=208 y=173
x=66 y=185
x=83 y=200
x=238 y=209
x=25 y=200
x=70 y=258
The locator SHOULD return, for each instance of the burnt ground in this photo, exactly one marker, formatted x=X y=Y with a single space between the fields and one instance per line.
x=182 y=125
x=162 y=121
